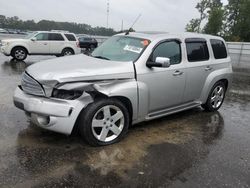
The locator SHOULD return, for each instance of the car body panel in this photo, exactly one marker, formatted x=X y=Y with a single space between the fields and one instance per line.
x=80 y=68
x=152 y=92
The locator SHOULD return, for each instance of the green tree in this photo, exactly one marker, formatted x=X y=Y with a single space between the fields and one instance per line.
x=195 y=24
x=238 y=20
x=46 y=25
x=214 y=25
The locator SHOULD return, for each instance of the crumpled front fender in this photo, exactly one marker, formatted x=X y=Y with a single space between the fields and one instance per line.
x=126 y=88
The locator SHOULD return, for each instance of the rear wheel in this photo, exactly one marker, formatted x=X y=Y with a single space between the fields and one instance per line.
x=67 y=51
x=19 y=53
x=104 y=122
x=216 y=97
x=92 y=47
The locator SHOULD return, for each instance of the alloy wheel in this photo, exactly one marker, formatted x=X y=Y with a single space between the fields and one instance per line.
x=217 y=97
x=19 y=54
x=108 y=123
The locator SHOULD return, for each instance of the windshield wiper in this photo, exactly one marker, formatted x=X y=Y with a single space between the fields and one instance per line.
x=101 y=57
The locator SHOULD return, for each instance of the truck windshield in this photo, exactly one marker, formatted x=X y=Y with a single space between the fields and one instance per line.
x=121 y=48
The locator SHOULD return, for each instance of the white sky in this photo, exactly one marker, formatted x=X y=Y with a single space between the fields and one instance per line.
x=157 y=15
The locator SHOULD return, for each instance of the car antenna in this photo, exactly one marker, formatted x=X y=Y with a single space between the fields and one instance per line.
x=131 y=28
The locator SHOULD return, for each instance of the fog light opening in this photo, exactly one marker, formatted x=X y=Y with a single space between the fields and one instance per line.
x=43 y=120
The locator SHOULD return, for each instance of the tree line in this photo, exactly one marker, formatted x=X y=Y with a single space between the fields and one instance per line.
x=47 y=25
x=231 y=21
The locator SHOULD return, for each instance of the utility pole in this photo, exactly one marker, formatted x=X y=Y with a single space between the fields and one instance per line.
x=107 y=14
x=122 y=26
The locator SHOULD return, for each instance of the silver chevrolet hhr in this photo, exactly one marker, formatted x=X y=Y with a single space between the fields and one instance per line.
x=130 y=78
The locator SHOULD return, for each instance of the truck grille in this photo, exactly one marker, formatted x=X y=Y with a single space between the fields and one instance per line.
x=31 y=86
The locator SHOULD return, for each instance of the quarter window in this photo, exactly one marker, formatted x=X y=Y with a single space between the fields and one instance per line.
x=41 y=36
x=56 y=36
x=170 y=49
x=197 y=50
x=219 y=49
x=70 y=37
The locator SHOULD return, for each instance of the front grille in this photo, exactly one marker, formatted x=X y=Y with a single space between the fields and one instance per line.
x=31 y=86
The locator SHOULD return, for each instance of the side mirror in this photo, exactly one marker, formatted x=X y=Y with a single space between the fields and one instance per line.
x=162 y=62
x=33 y=39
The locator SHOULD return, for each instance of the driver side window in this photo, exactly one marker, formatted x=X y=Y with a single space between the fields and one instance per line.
x=169 y=49
x=41 y=36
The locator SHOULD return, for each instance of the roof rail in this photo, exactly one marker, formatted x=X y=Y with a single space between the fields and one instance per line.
x=152 y=32
x=61 y=31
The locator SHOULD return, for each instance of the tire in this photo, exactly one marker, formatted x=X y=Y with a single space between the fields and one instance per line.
x=67 y=51
x=216 y=97
x=92 y=47
x=97 y=125
x=19 y=53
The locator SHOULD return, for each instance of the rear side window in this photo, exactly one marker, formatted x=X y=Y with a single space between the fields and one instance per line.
x=197 y=50
x=70 y=37
x=219 y=49
x=56 y=36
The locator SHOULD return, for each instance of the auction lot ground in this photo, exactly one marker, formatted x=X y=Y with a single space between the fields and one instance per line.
x=191 y=149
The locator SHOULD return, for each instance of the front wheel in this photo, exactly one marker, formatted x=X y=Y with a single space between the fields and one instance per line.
x=19 y=53
x=216 y=97
x=104 y=122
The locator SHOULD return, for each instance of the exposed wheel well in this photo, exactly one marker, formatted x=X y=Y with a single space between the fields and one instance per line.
x=96 y=96
x=19 y=47
x=225 y=81
x=124 y=100
x=128 y=105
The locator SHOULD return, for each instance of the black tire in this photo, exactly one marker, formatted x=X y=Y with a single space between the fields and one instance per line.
x=87 y=116
x=210 y=105
x=67 y=51
x=92 y=47
x=19 y=53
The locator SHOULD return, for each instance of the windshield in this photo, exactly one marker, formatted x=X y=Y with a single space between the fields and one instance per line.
x=121 y=48
x=30 y=35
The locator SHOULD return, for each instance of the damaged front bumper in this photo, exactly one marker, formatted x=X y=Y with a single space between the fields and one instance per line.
x=50 y=113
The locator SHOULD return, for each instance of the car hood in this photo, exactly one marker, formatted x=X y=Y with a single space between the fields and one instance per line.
x=79 y=68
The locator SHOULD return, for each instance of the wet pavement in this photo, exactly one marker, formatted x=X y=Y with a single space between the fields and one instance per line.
x=189 y=149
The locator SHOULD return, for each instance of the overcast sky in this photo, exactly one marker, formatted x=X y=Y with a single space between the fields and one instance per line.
x=157 y=15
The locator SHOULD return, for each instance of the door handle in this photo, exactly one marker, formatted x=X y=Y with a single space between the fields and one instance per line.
x=208 y=68
x=177 y=73
x=45 y=43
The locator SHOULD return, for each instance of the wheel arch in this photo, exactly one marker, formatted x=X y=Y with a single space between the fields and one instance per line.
x=20 y=46
x=125 y=100
x=68 y=47
x=224 y=75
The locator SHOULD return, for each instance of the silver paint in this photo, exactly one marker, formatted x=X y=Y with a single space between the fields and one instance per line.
x=152 y=92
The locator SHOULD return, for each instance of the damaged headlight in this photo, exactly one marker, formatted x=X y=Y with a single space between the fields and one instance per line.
x=66 y=94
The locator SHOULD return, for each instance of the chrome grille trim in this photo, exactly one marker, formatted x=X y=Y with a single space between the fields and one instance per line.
x=31 y=86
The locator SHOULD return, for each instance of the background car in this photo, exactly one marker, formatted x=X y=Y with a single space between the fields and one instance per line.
x=87 y=42
x=3 y=31
x=41 y=43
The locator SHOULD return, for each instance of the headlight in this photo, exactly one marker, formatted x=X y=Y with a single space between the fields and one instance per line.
x=66 y=94
x=5 y=43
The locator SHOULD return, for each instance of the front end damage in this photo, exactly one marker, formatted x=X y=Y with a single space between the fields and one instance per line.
x=60 y=111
